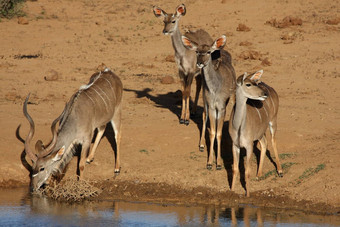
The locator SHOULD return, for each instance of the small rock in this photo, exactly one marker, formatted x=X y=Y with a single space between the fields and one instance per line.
x=167 y=80
x=266 y=62
x=22 y=20
x=250 y=54
x=52 y=75
x=288 y=36
x=12 y=96
x=334 y=21
x=245 y=43
x=170 y=58
x=242 y=28
x=285 y=22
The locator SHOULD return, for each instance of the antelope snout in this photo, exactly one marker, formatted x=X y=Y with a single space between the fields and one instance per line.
x=166 y=32
x=200 y=65
x=263 y=96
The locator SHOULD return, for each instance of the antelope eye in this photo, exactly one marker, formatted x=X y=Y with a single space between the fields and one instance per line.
x=41 y=169
x=173 y=21
x=248 y=85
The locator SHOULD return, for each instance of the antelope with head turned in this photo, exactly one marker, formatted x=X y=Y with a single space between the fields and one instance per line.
x=91 y=107
x=218 y=86
x=255 y=109
x=185 y=58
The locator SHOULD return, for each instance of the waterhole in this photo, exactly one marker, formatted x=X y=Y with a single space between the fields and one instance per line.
x=19 y=208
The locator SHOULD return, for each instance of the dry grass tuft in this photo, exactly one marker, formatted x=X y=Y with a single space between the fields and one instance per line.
x=71 y=190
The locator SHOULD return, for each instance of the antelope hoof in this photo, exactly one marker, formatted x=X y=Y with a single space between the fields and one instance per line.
x=117 y=172
x=209 y=166
x=186 y=122
x=88 y=161
x=201 y=147
x=181 y=121
x=280 y=174
x=218 y=167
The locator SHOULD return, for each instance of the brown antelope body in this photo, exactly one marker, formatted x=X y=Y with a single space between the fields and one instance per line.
x=255 y=109
x=91 y=107
x=185 y=58
x=218 y=86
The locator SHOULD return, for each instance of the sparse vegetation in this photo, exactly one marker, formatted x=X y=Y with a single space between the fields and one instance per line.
x=286 y=155
x=309 y=172
x=11 y=8
x=194 y=156
x=285 y=166
x=144 y=151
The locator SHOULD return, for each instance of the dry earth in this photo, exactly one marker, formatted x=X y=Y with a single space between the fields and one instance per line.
x=59 y=44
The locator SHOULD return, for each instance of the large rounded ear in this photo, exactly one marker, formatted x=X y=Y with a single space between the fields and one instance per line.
x=219 y=43
x=158 y=12
x=59 y=154
x=241 y=78
x=39 y=146
x=180 y=10
x=257 y=76
x=188 y=43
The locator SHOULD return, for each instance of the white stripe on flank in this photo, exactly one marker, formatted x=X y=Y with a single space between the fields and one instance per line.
x=258 y=113
x=114 y=94
x=270 y=97
x=265 y=101
x=92 y=102
x=108 y=98
x=106 y=106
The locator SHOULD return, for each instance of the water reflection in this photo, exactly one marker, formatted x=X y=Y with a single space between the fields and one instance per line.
x=17 y=207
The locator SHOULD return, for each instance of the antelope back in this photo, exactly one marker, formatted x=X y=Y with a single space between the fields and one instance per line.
x=99 y=99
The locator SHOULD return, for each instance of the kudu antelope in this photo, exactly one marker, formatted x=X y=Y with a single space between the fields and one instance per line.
x=185 y=58
x=256 y=107
x=218 y=86
x=90 y=108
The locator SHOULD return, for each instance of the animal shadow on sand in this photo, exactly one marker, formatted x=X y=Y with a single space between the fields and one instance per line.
x=171 y=101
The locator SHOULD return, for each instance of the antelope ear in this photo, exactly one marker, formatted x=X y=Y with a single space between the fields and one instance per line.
x=39 y=146
x=59 y=154
x=257 y=76
x=219 y=43
x=158 y=12
x=241 y=78
x=188 y=44
x=180 y=10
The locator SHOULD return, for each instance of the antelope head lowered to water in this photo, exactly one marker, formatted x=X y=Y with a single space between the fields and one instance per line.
x=90 y=108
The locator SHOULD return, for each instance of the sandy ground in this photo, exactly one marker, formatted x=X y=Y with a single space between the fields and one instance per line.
x=59 y=44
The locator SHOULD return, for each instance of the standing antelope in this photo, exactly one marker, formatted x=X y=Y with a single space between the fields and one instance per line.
x=90 y=108
x=185 y=59
x=256 y=107
x=218 y=86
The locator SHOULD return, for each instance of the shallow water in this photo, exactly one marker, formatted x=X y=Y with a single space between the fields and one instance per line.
x=19 y=208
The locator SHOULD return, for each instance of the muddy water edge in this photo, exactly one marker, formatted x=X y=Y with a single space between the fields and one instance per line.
x=18 y=206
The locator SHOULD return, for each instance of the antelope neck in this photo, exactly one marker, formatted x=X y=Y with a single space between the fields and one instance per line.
x=176 y=38
x=212 y=77
x=240 y=111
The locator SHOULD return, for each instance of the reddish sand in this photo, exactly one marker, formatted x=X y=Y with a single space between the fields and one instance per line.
x=64 y=42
